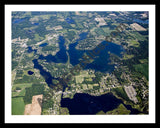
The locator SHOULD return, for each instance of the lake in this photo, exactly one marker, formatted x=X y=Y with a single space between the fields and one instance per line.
x=100 y=62
x=35 y=23
x=85 y=104
x=141 y=21
x=30 y=72
x=31 y=50
x=16 y=21
x=44 y=44
x=69 y=20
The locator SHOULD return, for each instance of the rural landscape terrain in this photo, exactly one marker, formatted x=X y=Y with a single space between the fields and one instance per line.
x=47 y=51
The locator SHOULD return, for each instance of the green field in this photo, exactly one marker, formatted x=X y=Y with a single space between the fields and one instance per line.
x=107 y=30
x=22 y=86
x=37 y=37
x=134 y=43
x=143 y=61
x=138 y=36
x=126 y=56
x=18 y=106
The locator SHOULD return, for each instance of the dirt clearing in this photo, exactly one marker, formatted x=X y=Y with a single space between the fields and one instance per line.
x=137 y=27
x=35 y=107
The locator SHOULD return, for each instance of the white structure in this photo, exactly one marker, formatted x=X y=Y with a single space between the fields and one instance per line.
x=131 y=93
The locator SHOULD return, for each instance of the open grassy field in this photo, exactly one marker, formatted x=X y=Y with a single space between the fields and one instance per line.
x=134 y=43
x=18 y=106
x=80 y=78
x=30 y=54
x=126 y=56
x=107 y=30
x=21 y=85
x=143 y=61
x=138 y=36
x=37 y=37
x=22 y=92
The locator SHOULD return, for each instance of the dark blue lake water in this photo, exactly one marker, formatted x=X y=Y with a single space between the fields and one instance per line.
x=141 y=21
x=31 y=50
x=17 y=21
x=69 y=20
x=100 y=62
x=29 y=30
x=30 y=72
x=44 y=44
x=35 y=23
x=85 y=104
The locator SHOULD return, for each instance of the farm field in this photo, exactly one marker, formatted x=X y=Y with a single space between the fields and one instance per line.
x=18 y=106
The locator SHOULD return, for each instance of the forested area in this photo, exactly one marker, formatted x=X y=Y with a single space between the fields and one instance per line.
x=36 y=89
x=134 y=64
x=47 y=99
x=26 y=79
x=49 y=48
x=121 y=93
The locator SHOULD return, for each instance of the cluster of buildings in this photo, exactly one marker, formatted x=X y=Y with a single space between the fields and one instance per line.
x=21 y=42
x=101 y=21
x=131 y=93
